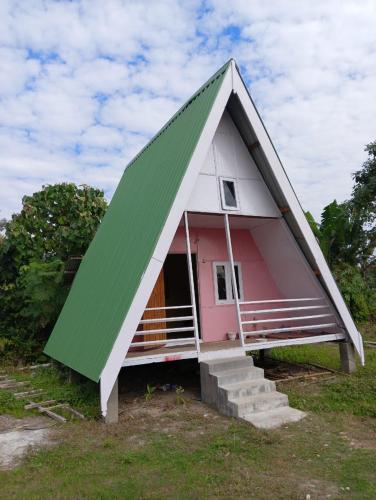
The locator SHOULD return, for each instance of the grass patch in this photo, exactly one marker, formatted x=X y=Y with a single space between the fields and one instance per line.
x=368 y=331
x=55 y=385
x=9 y=405
x=228 y=460
x=353 y=394
x=326 y=355
x=161 y=449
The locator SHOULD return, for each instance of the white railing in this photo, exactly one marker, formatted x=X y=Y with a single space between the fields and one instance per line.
x=190 y=330
x=315 y=321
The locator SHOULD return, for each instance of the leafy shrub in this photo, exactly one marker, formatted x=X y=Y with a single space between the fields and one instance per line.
x=354 y=290
x=54 y=224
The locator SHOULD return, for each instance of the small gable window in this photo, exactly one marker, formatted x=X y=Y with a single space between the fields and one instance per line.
x=229 y=194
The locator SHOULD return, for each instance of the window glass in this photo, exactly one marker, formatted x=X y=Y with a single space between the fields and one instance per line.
x=237 y=281
x=221 y=282
x=229 y=193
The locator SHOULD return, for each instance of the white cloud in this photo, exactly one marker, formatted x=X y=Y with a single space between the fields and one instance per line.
x=138 y=113
x=86 y=83
x=98 y=136
x=15 y=71
x=101 y=76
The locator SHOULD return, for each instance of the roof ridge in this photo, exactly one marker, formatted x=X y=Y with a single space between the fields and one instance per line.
x=203 y=87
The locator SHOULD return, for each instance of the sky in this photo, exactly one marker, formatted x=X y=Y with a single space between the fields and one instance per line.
x=85 y=84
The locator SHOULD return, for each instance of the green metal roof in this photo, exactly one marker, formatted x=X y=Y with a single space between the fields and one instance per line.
x=119 y=254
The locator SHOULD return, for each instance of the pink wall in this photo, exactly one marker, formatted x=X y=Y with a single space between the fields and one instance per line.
x=209 y=245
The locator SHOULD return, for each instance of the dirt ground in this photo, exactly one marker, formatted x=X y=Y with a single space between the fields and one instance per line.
x=282 y=370
x=174 y=391
x=19 y=436
x=164 y=380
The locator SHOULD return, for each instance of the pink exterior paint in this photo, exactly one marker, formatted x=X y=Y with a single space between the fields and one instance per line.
x=210 y=246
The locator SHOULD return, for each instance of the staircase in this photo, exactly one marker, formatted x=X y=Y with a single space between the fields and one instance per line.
x=237 y=388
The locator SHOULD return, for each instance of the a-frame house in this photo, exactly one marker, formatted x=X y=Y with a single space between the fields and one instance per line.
x=204 y=206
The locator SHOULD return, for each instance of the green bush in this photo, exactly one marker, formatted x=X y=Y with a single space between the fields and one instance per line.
x=355 y=291
x=54 y=224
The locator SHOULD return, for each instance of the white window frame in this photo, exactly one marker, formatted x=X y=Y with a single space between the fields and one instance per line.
x=228 y=279
x=223 y=198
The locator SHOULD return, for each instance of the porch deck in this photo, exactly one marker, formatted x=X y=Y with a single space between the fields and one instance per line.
x=225 y=348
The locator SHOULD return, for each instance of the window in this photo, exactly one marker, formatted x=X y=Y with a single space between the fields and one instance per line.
x=222 y=282
x=229 y=195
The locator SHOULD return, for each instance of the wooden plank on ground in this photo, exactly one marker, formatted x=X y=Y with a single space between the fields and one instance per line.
x=67 y=407
x=13 y=385
x=75 y=412
x=32 y=404
x=58 y=405
x=34 y=367
x=326 y=368
x=302 y=376
x=22 y=395
x=368 y=343
x=55 y=416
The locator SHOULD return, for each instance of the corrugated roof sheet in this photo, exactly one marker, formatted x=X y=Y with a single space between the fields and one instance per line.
x=114 y=263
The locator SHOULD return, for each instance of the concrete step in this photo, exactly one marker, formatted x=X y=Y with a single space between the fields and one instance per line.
x=248 y=388
x=272 y=419
x=237 y=388
x=219 y=365
x=239 y=374
x=258 y=403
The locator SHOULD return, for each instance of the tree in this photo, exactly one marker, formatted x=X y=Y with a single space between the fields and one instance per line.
x=54 y=224
x=347 y=236
x=364 y=192
x=358 y=296
x=364 y=206
x=314 y=226
x=335 y=229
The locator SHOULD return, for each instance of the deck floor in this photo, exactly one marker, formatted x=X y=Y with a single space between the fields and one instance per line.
x=206 y=347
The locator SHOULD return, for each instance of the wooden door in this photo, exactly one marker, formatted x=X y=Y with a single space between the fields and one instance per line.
x=157 y=299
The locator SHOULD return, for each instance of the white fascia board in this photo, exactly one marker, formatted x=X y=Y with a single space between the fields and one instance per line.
x=297 y=212
x=160 y=358
x=136 y=310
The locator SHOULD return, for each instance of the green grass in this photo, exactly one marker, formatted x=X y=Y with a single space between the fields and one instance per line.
x=56 y=385
x=9 y=405
x=321 y=354
x=355 y=394
x=229 y=459
x=161 y=449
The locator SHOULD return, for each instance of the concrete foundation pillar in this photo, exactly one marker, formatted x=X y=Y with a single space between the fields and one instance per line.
x=347 y=354
x=112 y=415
